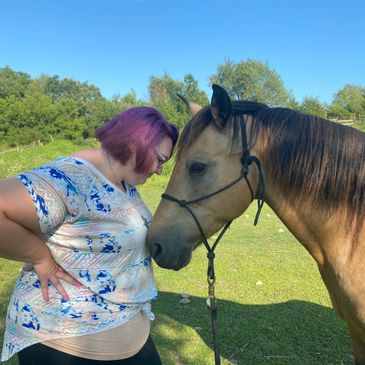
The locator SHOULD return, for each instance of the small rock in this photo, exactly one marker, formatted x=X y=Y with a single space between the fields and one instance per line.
x=184 y=301
x=259 y=282
x=185 y=295
x=281 y=230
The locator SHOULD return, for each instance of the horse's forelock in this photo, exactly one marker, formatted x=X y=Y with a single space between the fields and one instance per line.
x=204 y=117
x=193 y=129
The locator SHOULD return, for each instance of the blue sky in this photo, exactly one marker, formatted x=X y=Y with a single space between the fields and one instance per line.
x=315 y=46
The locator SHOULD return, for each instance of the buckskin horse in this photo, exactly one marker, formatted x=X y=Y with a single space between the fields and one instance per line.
x=314 y=181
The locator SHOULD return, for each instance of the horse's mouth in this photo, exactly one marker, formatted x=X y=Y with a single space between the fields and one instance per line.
x=176 y=267
x=172 y=262
x=180 y=266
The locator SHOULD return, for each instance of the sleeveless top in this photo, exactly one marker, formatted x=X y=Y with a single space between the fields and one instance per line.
x=95 y=232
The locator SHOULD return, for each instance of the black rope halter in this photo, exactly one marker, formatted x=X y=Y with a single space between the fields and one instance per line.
x=246 y=160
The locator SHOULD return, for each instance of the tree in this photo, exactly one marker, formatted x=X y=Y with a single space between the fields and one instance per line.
x=68 y=123
x=348 y=102
x=292 y=103
x=312 y=105
x=13 y=83
x=24 y=120
x=57 y=88
x=251 y=80
x=192 y=92
x=104 y=109
x=164 y=92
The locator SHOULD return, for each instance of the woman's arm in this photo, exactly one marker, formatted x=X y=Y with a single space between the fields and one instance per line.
x=18 y=236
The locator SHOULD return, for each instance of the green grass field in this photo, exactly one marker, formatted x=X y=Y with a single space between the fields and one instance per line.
x=273 y=306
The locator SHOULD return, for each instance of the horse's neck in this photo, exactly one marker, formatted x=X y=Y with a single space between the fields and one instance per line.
x=318 y=232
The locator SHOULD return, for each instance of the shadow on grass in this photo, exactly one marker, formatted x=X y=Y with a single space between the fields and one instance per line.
x=294 y=332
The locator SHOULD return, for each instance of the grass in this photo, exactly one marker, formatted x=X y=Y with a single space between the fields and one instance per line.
x=361 y=126
x=273 y=306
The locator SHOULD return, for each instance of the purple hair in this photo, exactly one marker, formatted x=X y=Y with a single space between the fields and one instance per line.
x=141 y=127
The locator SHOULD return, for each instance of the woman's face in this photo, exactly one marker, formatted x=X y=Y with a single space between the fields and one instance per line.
x=162 y=152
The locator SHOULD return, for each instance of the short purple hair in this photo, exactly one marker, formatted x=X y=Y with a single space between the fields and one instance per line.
x=141 y=127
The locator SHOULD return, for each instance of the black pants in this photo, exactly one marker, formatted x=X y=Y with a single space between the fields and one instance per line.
x=39 y=354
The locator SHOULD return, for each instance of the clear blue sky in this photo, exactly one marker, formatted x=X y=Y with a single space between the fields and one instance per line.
x=315 y=46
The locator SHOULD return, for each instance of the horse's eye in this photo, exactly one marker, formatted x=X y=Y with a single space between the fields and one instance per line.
x=197 y=168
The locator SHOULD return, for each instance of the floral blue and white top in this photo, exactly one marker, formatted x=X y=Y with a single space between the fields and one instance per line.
x=95 y=232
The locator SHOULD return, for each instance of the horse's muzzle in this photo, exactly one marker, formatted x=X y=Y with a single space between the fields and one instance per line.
x=169 y=250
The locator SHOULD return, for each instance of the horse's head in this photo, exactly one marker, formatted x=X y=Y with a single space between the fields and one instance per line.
x=208 y=160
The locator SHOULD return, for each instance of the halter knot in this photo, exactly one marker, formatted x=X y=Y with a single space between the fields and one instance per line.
x=210 y=255
x=183 y=203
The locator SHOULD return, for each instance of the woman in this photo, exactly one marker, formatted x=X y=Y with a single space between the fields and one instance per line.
x=80 y=225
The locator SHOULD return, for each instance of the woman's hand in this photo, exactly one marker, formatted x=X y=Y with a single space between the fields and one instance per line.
x=49 y=271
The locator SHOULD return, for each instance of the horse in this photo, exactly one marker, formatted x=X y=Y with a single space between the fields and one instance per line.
x=314 y=177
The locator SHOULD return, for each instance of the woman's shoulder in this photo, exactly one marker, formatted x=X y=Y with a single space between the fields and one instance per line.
x=92 y=156
x=63 y=173
x=77 y=162
x=65 y=166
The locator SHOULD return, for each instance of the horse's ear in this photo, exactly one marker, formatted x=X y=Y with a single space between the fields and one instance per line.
x=221 y=106
x=193 y=108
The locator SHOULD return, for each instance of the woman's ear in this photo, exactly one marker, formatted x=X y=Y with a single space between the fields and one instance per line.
x=132 y=154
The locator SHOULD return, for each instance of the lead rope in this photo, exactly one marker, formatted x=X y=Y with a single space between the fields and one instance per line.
x=211 y=299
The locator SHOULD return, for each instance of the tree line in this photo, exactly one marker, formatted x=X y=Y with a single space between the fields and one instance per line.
x=48 y=107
